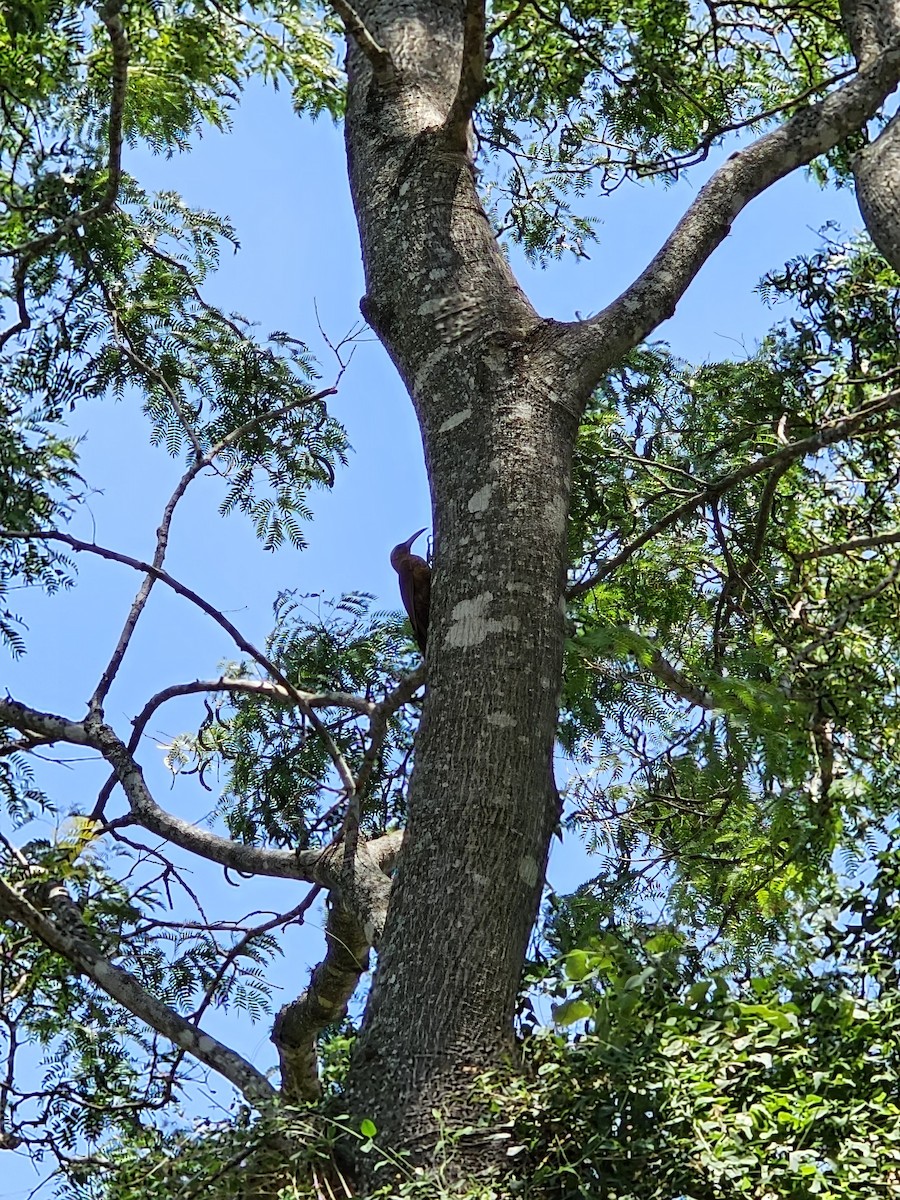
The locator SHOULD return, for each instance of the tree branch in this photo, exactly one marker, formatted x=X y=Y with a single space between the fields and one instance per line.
x=264 y=687
x=279 y=921
x=852 y=606
x=24 y=320
x=281 y=864
x=199 y=686
x=132 y=995
x=382 y=64
x=678 y=683
x=833 y=431
x=471 y=85
x=334 y=753
x=363 y=882
x=851 y=544
x=379 y=718
x=101 y=691
x=324 y=1001
x=870 y=25
x=200 y=463
x=602 y=340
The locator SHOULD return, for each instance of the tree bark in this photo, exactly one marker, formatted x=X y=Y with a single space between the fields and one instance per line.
x=498 y=392
x=499 y=422
x=876 y=171
x=872 y=27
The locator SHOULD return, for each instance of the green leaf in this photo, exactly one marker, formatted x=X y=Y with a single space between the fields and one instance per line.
x=571 y=1011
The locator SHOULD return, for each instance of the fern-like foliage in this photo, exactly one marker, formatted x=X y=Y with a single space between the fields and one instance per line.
x=589 y=94
x=100 y=281
x=39 y=485
x=280 y=785
x=731 y=684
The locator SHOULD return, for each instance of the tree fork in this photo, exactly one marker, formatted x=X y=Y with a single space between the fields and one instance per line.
x=499 y=423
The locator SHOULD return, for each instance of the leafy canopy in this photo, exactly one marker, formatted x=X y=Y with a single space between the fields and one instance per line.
x=729 y=719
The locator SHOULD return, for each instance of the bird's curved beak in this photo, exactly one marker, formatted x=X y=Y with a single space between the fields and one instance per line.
x=419 y=533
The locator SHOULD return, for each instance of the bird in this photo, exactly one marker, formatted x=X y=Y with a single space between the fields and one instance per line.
x=415 y=587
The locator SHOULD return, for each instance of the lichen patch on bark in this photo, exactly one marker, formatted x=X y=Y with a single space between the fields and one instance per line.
x=471 y=625
x=479 y=502
x=456 y=419
x=501 y=719
x=556 y=512
x=528 y=870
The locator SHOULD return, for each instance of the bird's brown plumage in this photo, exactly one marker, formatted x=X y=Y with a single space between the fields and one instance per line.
x=415 y=587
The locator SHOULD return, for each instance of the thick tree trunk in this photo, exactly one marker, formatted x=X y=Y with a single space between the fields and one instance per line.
x=498 y=426
x=872 y=26
x=877 y=174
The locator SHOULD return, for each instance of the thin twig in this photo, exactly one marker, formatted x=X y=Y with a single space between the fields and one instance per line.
x=508 y=20
x=833 y=431
x=95 y=704
x=220 y=619
x=201 y=462
x=268 y=417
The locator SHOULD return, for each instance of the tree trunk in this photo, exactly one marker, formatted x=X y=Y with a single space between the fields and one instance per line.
x=498 y=423
x=877 y=174
x=872 y=27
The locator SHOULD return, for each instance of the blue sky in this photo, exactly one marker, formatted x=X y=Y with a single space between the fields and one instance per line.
x=283 y=183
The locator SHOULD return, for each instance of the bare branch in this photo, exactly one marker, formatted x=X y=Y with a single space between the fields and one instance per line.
x=678 y=683
x=24 y=320
x=850 y=545
x=765 y=512
x=378 y=724
x=199 y=686
x=132 y=995
x=262 y=687
x=831 y=432
x=380 y=58
x=101 y=691
x=323 y=1002
x=471 y=85
x=334 y=753
x=363 y=882
x=603 y=339
x=201 y=462
x=283 y=864
x=377 y=732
